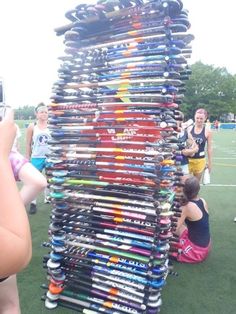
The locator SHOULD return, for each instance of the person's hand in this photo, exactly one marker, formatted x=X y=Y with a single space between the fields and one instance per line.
x=208 y=165
x=7 y=133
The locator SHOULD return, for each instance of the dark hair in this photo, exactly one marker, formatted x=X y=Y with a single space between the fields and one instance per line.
x=191 y=187
x=41 y=104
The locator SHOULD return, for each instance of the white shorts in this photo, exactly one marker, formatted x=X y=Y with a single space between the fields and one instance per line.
x=185 y=169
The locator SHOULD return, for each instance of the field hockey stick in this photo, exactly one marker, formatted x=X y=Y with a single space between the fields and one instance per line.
x=68 y=257
x=61 y=169
x=94 y=292
x=68 y=157
x=70 y=177
x=128 y=188
x=116 y=115
x=80 y=228
x=82 y=304
x=134 y=23
x=95 y=275
x=155 y=30
x=163 y=195
x=71 y=183
x=157 y=198
x=141 y=222
x=184 y=36
x=116 y=263
x=72 y=15
x=136 y=281
x=116 y=241
x=131 y=233
x=105 y=149
x=107 y=286
x=132 y=97
x=114 y=105
x=161 y=225
x=80 y=165
x=168 y=119
x=158 y=138
x=107 y=248
x=127 y=192
x=76 y=72
x=133 y=256
x=112 y=199
x=161 y=123
x=155 y=112
x=116 y=207
x=73 y=266
x=161 y=45
x=122 y=192
x=131 y=74
x=94 y=111
x=145 y=227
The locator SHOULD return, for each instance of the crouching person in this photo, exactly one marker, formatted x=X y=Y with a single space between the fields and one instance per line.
x=193 y=225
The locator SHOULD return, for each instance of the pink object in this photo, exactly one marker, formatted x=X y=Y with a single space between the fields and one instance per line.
x=17 y=162
x=191 y=253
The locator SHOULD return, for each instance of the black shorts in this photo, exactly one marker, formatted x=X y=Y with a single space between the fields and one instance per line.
x=2 y=279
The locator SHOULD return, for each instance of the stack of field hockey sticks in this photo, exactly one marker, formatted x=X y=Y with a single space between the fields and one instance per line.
x=114 y=154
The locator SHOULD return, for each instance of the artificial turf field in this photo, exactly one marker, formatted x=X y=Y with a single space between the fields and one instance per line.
x=206 y=288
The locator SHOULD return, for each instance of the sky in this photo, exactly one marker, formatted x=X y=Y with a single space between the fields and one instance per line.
x=29 y=47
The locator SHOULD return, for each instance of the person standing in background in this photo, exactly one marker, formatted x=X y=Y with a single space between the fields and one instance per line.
x=37 y=137
x=208 y=124
x=216 y=125
x=203 y=138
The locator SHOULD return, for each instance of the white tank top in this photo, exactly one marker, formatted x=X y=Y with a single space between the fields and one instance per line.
x=40 y=142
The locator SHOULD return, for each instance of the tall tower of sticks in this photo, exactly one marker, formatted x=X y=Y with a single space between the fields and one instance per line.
x=112 y=167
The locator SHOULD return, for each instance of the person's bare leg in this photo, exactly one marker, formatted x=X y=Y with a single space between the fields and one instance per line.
x=180 y=230
x=199 y=176
x=33 y=183
x=9 y=298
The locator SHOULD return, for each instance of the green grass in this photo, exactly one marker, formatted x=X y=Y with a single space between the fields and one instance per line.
x=207 y=288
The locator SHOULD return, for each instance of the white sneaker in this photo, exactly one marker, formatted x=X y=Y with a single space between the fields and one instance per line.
x=47 y=200
x=234 y=219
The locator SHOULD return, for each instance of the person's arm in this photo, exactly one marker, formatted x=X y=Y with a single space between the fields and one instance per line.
x=190 y=151
x=209 y=150
x=29 y=138
x=14 y=225
x=180 y=222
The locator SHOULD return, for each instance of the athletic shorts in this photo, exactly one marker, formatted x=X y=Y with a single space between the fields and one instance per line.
x=17 y=162
x=196 y=165
x=3 y=279
x=38 y=163
x=191 y=253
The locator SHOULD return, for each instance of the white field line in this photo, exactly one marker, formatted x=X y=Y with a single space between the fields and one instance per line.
x=220 y=185
x=226 y=158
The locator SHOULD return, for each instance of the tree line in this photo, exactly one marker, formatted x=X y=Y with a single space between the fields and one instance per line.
x=209 y=87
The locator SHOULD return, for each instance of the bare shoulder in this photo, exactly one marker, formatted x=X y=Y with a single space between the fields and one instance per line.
x=205 y=204
x=208 y=133
x=30 y=129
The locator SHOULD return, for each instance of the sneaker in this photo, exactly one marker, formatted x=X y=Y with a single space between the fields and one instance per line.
x=47 y=200
x=234 y=219
x=32 y=209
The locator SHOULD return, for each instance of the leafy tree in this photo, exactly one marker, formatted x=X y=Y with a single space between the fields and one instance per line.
x=211 y=88
x=24 y=113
